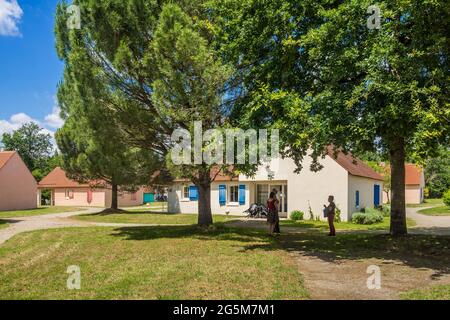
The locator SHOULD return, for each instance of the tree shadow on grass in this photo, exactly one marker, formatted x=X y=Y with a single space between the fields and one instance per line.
x=416 y=251
x=108 y=212
x=7 y=221
x=217 y=232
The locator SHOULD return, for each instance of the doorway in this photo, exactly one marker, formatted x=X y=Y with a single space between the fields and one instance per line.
x=263 y=191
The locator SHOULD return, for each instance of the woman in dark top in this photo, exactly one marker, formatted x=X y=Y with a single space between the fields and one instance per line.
x=330 y=211
x=272 y=217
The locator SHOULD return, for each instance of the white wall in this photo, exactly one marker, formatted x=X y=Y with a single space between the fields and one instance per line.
x=178 y=205
x=308 y=189
x=365 y=186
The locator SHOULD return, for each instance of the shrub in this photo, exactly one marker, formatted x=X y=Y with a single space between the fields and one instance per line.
x=337 y=215
x=446 y=198
x=371 y=216
x=386 y=210
x=297 y=215
x=311 y=214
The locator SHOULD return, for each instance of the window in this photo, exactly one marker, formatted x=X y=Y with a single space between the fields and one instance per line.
x=234 y=194
x=69 y=194
x=357 y=199
x=133 y=196
x=185 y=192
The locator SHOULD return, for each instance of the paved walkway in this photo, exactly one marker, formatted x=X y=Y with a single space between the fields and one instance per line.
x=55 y=220
x=437 y=225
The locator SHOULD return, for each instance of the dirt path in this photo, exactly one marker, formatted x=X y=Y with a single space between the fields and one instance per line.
x=328 y=276
x=346 y=279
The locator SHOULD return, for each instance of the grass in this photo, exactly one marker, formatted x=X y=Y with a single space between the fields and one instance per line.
x=146 y=217
x=436 y=211
x=417 y=251
x=323 y=225
x=167 y=262
x=3 y=224
x=154 y=204
x=37 y=212
x=440 y=292
x=427 y=203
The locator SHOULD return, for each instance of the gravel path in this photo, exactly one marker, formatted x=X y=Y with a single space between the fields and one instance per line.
x=55 y=220
x=436 y=225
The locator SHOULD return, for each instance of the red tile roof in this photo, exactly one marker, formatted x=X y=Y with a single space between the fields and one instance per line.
x=413 y=174
x=58 y=179
x=219 y=176
x=353 y=165
x=5 y=156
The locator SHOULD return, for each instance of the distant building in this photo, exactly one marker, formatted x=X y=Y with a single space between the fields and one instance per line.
x=414 y=185
x=67 y=192
x=17 y=185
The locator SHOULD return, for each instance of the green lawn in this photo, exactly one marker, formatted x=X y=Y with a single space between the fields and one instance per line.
x=154 y=204
x=37 y=212
x=436 y=211
x=323 y=225
x=427 y=203
x=440 y=292
x=3 y=224
x=170 y=262
x=146 y=217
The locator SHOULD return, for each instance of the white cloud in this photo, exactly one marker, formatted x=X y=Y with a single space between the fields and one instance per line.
x=51 y=122
x=15 y=122
x=10 y=16
x=54 y=120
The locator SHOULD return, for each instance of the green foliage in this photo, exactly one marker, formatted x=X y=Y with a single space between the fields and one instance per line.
x=386 y=210
x=154 y=66
x=368 y=217
x=446 y=198
x=297 y=215
x=337 y=215
x=437 y=174
x=34 y=147
x=315 y=71
x=310 y=212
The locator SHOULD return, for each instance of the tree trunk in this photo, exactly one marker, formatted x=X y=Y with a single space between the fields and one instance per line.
x=204 y=200
x=114 y=202
x=398 y=210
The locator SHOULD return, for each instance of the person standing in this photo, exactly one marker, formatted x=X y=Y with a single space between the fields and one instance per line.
x=330 y=212
x=277 y=224
x=272 y=217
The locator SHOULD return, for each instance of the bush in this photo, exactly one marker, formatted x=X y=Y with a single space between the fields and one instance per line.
x=386 y=210
x=446 y=198
x=337 y=215
x=297 y=215
x=370 y=216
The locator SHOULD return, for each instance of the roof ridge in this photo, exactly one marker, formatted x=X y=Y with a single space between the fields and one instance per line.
x=342 y=159
x=11 y=153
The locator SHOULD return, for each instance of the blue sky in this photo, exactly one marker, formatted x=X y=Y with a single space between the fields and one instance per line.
x=29 y=67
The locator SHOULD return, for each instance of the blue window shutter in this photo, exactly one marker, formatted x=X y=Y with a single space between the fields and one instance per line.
x=376 y=195
x=242 y=194
x=222 y=194
x=357 y=198
x=193 y=193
